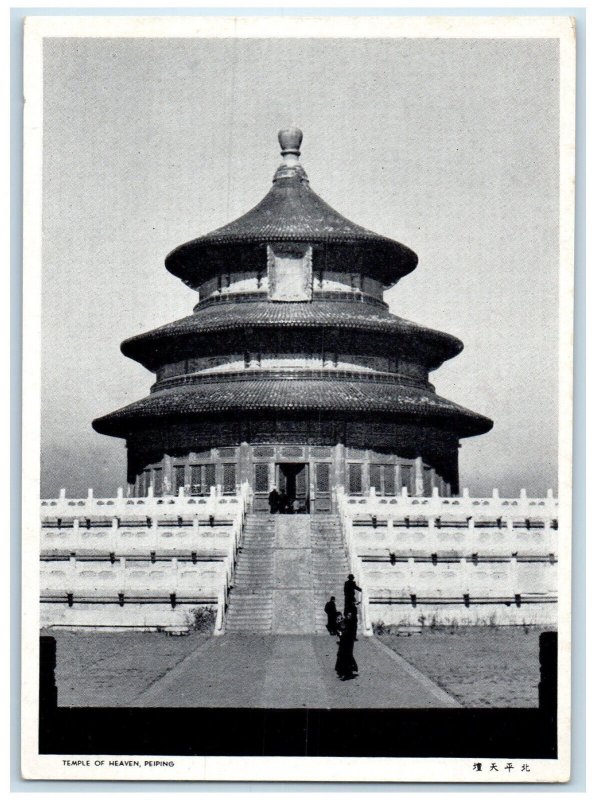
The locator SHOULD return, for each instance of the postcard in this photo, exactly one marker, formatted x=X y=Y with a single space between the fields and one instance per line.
x=297 y=398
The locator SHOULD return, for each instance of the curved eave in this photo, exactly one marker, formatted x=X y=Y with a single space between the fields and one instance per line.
x=150 y=348
x=290 y=212
x=198 y=260
x=211 y=400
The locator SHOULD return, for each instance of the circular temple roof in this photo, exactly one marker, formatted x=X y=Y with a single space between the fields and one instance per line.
x=152 y=347
x=292 y=396
x=291 y=212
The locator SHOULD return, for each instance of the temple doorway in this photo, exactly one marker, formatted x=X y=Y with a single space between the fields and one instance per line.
x=292 y=478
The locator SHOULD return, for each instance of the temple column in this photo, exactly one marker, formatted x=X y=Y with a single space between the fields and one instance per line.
x=434 y=480
x=418 y=477
x=366 y=473
x=339 y=464
x=272 y=475
x=244 y=462
x=167 y=474
x=338 y=470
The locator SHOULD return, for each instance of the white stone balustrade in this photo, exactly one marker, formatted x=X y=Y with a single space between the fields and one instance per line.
x=471 y=551
x=86 y=578
x=141 y=548
x=489 y=508
x=368 y=540
x=131 y=541
x=216 y=504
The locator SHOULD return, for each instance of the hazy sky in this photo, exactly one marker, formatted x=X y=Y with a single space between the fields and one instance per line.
x=449 y=146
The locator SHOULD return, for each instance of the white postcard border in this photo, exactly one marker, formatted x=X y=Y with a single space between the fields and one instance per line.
x=37 y=28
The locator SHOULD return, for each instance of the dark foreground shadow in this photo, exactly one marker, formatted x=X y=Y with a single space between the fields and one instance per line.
x=456 y=733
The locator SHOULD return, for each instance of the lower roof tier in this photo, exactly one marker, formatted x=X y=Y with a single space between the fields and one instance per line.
x=181 y=338
x=291 y=396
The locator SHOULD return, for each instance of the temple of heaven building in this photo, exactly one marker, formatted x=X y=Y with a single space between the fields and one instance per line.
x=291 y=372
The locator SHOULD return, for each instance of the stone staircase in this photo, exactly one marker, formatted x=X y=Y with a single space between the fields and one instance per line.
x=251 y=598
x=330 y=565
x=287 y=569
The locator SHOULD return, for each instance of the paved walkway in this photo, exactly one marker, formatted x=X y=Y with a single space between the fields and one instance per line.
x=259 y=671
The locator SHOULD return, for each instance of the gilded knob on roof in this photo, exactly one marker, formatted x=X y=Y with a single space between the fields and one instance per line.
x=290 y=140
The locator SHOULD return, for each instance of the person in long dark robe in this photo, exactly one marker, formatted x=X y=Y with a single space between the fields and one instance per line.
x=350 y=589
x=273 y=501
x=352 y=620
x=331 y=611
x=346 y=665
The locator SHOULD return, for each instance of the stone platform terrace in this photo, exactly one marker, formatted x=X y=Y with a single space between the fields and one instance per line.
x=275 y=671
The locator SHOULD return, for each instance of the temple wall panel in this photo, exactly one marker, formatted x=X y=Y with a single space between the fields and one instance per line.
x=253 y=281
x=366 y=457
x=333 y=344
x=327 y=358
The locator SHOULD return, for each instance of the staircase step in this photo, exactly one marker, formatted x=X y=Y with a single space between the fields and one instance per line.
x=242 y=624
x=246 y=597
x=251 y=605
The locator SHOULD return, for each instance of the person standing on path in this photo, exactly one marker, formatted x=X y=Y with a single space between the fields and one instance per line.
x=350 y=610
x=346 y=665
x=350 y=589
x=331 y=611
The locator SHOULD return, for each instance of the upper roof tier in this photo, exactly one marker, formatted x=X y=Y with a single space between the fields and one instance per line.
x=292 y=212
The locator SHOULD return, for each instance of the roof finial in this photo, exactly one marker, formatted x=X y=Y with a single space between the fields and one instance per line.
x=290 y=140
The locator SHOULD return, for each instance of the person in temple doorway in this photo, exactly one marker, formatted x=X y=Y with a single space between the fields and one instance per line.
x=350 y=610
x=331 y=611
x=273 y=501
x=283 y=501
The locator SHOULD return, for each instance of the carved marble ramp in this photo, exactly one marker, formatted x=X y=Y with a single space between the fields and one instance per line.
x=293 y=601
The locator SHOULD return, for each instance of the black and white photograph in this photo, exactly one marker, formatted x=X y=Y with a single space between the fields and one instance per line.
x=297 y=381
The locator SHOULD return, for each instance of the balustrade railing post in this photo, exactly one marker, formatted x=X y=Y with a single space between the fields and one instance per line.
x=366 y=623
x=114 y=538
x=220 y=614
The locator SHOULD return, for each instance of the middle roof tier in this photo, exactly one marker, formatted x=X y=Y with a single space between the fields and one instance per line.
x=323 y=322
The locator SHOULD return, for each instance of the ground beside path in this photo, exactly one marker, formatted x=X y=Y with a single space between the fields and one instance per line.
x=480 y=667
x=264 y=671
x=483 y=667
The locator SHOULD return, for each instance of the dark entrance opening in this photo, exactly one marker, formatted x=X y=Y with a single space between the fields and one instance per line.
x=293 y=480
